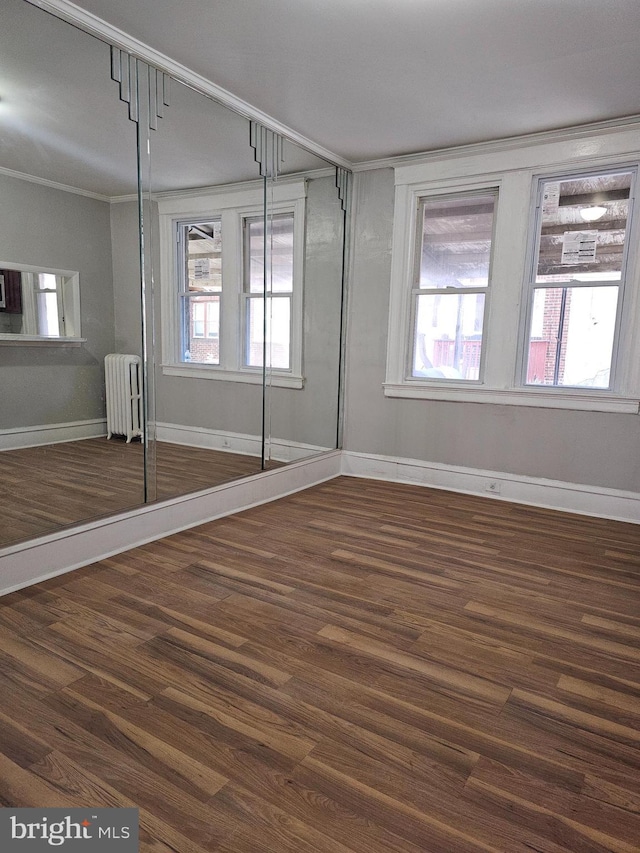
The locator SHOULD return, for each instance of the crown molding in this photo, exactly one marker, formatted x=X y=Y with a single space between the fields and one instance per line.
x=509 y=143
x=73 y=14
x=34 y=179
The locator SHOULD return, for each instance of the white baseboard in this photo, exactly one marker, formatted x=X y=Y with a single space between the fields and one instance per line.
x=34 y=436
x=552 y=494
x=39 y=559
x=235 y=442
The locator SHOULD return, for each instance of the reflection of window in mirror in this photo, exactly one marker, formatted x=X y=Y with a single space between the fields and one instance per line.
x=280 y=287
x=213 y=282
x=39 y=305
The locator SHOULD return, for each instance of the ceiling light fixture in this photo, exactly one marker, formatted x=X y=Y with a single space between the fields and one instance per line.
x=591 y=214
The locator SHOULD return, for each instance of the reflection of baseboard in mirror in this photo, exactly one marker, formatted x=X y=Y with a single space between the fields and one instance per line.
x=282 y=450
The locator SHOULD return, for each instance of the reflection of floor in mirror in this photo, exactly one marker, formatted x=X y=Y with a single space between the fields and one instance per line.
x=44 y=488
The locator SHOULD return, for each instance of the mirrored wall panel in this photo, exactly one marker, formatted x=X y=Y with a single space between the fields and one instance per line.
x=171 y=285
x=67 y=150
x=304 y=304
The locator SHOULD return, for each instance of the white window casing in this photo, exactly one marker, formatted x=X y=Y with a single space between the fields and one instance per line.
x=514 y=171
x=232 y=205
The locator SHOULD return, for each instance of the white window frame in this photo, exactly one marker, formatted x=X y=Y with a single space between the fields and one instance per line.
x=514 y=169
x=248 y=295
x=233 y=204
x=624 y=285
x=416 y=290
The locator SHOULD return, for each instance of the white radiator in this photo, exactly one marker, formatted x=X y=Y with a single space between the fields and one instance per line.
x=124 y=395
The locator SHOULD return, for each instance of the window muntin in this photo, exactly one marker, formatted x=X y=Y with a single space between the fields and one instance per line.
x=452 y=274
x=577 y=277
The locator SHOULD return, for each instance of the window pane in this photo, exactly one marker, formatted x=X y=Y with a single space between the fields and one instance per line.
x=278 y=332
x=204 y=256
x=201 y=329
x=456 y=242
x=572 y=333
x=282 y=254
x=281 y=236
x=47 y=281
x=448 y=336
x=254 y=255
x=48 y=322
x=583 y=228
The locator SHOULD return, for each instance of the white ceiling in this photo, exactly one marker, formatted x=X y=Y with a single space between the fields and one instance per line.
x=375 y=78
x=364 y=79
x=61 y=119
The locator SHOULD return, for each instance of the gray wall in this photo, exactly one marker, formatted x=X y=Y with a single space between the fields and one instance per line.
x=126 y=277
x=310 y=415
x=592 y=448
x=42 y=226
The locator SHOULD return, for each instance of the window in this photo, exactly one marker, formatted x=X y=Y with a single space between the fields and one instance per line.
x=39 y=305
x=577 y=279
x=199 y=288
x=214 y=250
x=514 y=275
x=451 y=284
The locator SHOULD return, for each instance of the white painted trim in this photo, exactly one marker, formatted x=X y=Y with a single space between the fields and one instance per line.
x=533 y=491
x=238 y=196
x=35 y=436
x=49 y=556
x=34 y=179
x=310 y=175
x=17 y=340
x=499 y=146
x=203 y=371
x=282 y=450
x=107 y=32
x=538 y=399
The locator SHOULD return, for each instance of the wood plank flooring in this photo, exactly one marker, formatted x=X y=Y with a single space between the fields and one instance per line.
x=48 y=487
x=361 y=667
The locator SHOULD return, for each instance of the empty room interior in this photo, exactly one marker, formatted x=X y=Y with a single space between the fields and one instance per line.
x=319 y=422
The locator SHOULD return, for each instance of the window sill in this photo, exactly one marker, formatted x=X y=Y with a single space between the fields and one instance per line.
x=573 y=399
x=203 y=371
x=39 y=341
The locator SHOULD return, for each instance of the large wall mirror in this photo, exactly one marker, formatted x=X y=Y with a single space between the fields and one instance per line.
x=202 y=255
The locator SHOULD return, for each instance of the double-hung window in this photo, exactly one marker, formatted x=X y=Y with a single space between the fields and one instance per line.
x=515 y=276
x=577 y=279
x=222 y=264
x=451 y=282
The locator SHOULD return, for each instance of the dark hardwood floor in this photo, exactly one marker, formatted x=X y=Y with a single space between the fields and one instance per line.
x=45 y=488
x=357 y=668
